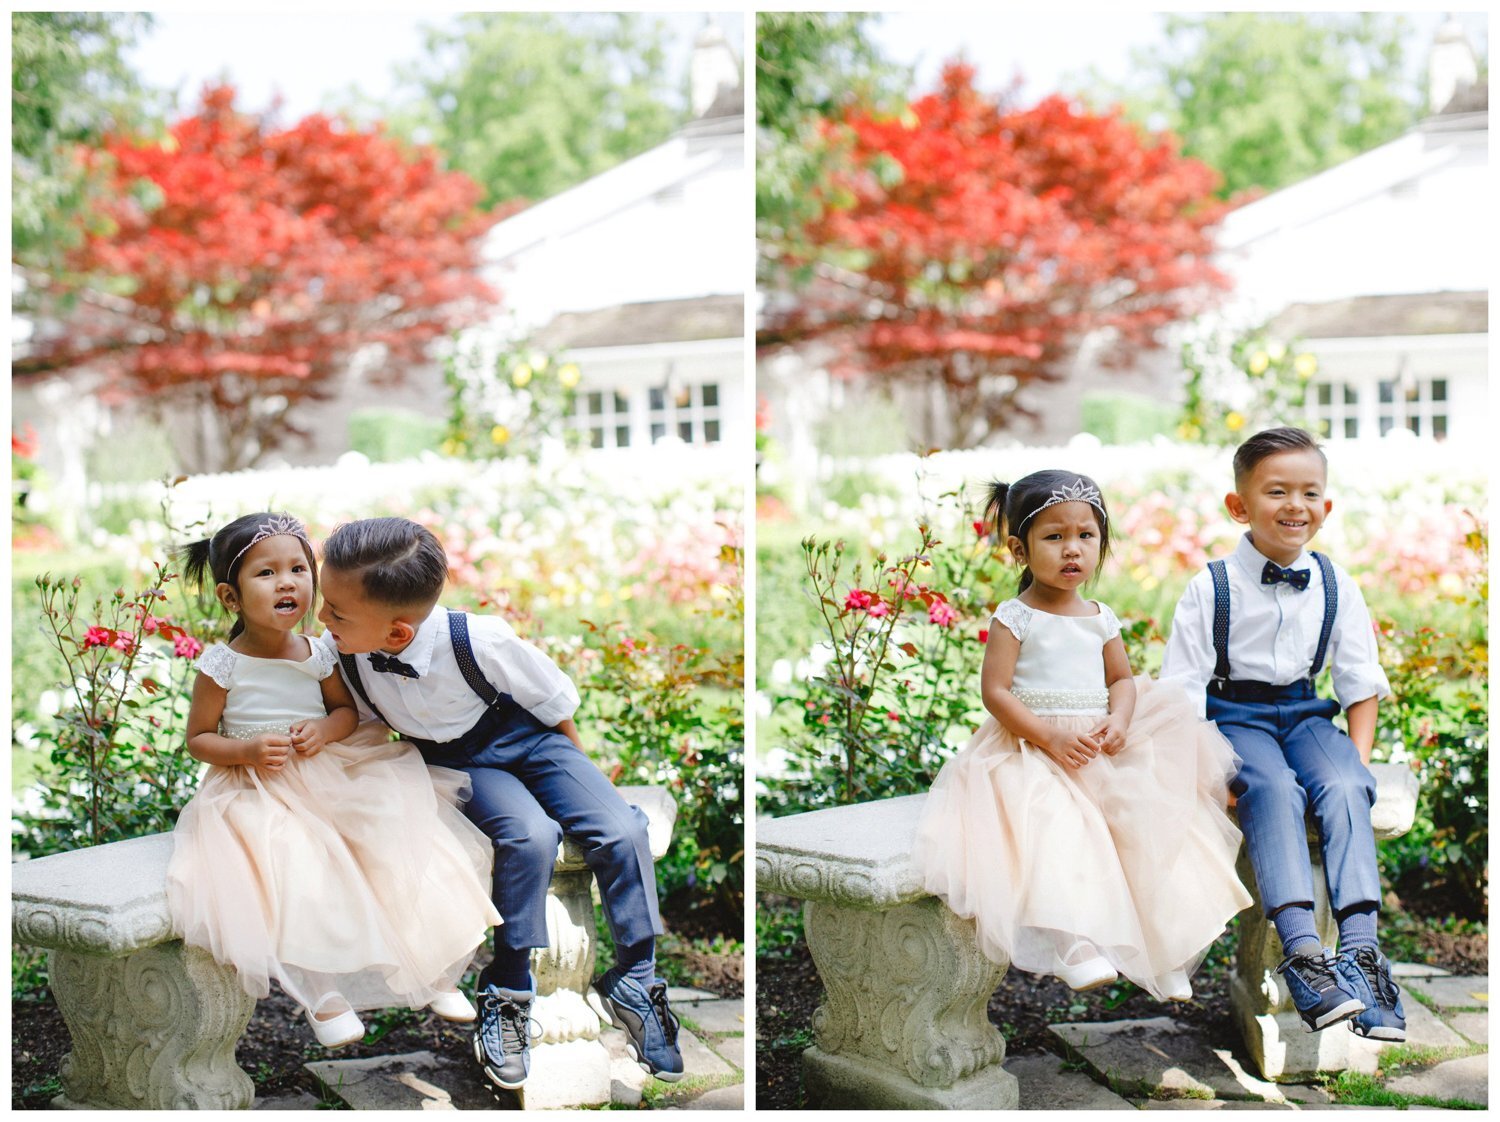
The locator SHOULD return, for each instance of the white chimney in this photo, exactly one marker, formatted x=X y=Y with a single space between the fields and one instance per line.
x=714 y=68
x=1451 y=66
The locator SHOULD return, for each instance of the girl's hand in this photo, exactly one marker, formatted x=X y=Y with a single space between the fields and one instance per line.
x=268 y=751
x=1109 y=734
x=1071 y=749
x=308 y=738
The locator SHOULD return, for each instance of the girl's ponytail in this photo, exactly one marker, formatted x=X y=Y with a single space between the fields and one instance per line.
x=995 y=515
x=195 y=564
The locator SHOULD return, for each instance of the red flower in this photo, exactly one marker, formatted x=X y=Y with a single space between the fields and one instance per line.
x=979 y=529
x=857 y=599
x=891 y=714
x=984 y=635
x=185 y=646
x=97 y=637
x=942 y=613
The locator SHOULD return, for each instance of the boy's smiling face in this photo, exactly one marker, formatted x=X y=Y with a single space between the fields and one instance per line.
x=1283 y=502
x=358 y=624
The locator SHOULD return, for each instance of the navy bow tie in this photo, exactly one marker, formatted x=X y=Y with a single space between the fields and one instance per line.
x=390 y=664
x=1275 y=574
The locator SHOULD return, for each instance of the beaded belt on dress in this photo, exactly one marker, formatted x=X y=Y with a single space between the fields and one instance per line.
x=1063 y=701
x=250 y=732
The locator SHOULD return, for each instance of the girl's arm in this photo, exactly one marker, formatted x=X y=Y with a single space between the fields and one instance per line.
x=1110 y=732
x=267 y=751
x=311 y=736
x=1000 y=653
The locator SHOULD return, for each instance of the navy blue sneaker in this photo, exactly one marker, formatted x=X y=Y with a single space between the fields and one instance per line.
x=1320 y=996
x=502 y=1043
x=1366 y=973
x=651 y=1027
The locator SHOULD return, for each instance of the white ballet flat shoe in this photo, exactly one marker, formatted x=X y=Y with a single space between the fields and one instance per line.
x=453 y=1006
x=335 y=1032
x=1175 y=986
x=1089 y=974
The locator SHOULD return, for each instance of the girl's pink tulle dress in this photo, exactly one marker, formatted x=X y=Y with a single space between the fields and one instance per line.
x=351 y=872
x=1132 y=852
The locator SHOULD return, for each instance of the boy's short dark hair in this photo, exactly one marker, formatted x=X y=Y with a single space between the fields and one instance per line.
x=400 y=563
x=1269 y=442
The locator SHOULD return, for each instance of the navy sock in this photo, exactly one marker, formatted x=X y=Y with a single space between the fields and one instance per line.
x=1357 y=927
x=510 y=970
x=1299 y=934
x=638 y=961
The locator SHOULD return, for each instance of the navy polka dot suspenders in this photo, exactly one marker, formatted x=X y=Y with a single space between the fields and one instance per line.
x=463 y=651
x=1220 y=574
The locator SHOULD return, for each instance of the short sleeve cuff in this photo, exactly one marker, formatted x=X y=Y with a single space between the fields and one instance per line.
x=1352 y=684
x=557 y=708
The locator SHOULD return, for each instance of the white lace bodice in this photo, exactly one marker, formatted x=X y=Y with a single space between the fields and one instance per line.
x=1061 y=665
x=267 y=694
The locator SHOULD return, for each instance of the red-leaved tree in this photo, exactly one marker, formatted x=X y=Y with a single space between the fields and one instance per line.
x=975 y=245
x=245 y=266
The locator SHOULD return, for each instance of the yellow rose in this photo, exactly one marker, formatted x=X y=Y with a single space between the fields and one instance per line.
x=499 y=434
x=450 y=447
x=1234 y=422
x=568 y=375
x=520 y=375
x=1259 y=361
x=1306 y=366
x=538 y=361
x=1277 y=351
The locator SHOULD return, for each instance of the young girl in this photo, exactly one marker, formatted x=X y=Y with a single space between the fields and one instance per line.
x=1083 y=825
x=330 y=859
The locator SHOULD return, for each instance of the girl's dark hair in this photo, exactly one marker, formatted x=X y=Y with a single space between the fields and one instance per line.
x=400 y=563
x=1011 y=507
x=216 y=560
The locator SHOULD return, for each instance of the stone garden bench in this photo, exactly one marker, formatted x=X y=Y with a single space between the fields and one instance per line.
x=903 y=1023
x=154 y=1023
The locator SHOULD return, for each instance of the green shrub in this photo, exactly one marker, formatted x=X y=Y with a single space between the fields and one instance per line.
x=1125 y=418
x=390 y=435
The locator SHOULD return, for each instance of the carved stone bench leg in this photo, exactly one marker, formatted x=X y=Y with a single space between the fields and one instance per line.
x=904 y=1024
x=153 y=1030
x=1262 y=1006
x=569 y=1065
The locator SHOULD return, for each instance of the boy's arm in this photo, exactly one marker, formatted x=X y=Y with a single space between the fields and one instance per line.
x=1353 y=655
x=515 y=667
x=570 y=730
x=1361 y=716
x=1189 y=657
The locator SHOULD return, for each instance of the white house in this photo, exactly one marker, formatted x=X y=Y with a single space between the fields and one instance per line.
x=638 y=276
x=1381 y=267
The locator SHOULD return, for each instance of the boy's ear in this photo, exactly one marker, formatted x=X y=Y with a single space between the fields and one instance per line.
x=400 y=633
x=1236 y=507
x=227 y=596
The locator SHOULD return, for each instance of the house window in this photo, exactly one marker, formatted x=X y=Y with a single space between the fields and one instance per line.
x=604 y=416
x=1336 y=410
x=690 y=413
x=1419 y=405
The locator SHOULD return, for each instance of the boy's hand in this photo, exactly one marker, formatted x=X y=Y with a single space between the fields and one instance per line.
x=1071 y=749
x=268 y=752
x=1109 y=734
x=308 y=738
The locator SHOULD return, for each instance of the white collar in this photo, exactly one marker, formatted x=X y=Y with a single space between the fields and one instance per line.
x=418 y=653
x=1253 y=560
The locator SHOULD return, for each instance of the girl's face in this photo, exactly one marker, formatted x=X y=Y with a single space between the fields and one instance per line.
x=1062 y=545
x=275 y=584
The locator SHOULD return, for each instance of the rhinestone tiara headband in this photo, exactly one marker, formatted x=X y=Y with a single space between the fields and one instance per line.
x=1080 y=491
x=283 y=524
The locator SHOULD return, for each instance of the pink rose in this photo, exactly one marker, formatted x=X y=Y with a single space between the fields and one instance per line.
x=124 y=642
x=96 y=637
x=942 y=613
x=856 y=600
x=185 y=646
x=880 y=608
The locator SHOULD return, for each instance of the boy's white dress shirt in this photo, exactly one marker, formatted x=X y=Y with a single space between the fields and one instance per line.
x=1273 y=631
x=440 y=705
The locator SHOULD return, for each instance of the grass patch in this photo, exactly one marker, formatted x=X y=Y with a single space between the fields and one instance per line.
x=801 y=1040
x=1425 y=1055
x=657 y=1094
x=1351 y=1088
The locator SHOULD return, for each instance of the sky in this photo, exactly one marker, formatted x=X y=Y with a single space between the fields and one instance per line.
x=312 y=56
x=1047 y=48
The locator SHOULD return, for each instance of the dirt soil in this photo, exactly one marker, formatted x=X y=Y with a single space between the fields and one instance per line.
x=277 y=1042
x=788 y=991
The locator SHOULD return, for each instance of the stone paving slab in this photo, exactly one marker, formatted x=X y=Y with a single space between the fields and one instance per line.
x=678 y=994
x=1209 y=1104
x=1454 y=992
x=1475 y=1026
x=299 y=1100
x=720 y=1098
x=414 y=1081
x=1424 y=1027
x=720 y=1016
x=1159 y=1054
x=1044 y=1085
x=1418 y=970
x=1466 y=1079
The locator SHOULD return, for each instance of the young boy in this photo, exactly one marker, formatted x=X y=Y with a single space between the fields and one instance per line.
x=471 y=695
x=1250 y=636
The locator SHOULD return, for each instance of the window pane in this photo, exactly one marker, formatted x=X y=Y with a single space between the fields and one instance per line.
x=620 y=406
x=1350 y=397
x=657 y=432
x=685 y=431
x=596 y=403
x=622 y=436
x=1387 y=392
x=711 y=431
x=1386 y=424
x=1415 y=424
x=658 y=398
x=683 y=398
x=1439 y=389
x=596 y=438
x=1351 y=428
x=711 y=394
x=1440 y=428
x=1412 y=392
x=1325 y=394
